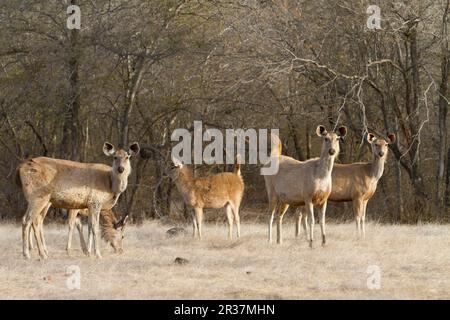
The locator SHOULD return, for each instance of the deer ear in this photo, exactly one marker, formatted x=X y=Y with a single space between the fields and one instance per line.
x=121 y=223
x=391 y=138
x=370 y=137
x=342 y=131
x=321 y=131
x=108 y=149
x=134 y=149
x=124 y=223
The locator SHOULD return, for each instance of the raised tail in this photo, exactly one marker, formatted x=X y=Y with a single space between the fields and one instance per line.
x=276 y=146
x=237 y=165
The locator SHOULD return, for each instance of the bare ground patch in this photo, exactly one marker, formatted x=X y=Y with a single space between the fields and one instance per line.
x=414 y=263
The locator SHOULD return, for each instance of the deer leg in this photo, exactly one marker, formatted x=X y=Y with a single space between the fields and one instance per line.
x=41 y=226
x=230 y=221
x=30 y=237
x=72 y=220
x=94 y=215
x=89 y=249
x=237 y=219
x=283 y=208
x=80 y=232
x=299 y=221
x=194 y=224
x=357 y=210
x=310 y=214
x=322 y=210
x=38 y=228
x=363 y=219
x=38 y=236
x=272 y=209
x=199 y=218
x=33 y=210
x=305 y=225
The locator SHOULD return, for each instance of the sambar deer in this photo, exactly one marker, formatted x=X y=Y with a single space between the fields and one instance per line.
x=224 y=189
x=112 y=229
x=72 y=185
x=305 y=183
x=357 y=182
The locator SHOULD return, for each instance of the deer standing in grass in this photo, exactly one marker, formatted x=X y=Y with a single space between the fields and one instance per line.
x=357 y=182
x=72 y=185
x=305 y=183
x=112 y=229
x=217 y=191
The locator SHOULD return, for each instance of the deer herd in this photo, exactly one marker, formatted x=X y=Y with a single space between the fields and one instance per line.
x=92 y=190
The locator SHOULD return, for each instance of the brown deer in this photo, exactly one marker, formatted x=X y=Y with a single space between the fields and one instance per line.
x=112 y=229
x=305 y=183
x=357 y=182
x=217 y=191
x=72 y=185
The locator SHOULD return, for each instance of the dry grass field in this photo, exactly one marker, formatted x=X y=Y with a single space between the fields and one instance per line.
x=414 y=263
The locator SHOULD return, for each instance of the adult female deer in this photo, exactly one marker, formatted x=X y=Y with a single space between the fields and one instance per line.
x=217 y=191
x=302 y=182
x=357 y=182
x=72 y=185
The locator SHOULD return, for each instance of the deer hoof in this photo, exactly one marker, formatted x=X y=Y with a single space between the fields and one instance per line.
x=311 y=244
x=98 y=255
x=26 y=255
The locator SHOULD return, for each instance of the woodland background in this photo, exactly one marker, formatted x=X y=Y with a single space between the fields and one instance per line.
x=139 y=69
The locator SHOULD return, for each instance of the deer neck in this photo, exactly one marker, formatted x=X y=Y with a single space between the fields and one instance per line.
x=325 y=164
x=184 y=182
x=119 y=183
x=107 y=220
x=377 y=167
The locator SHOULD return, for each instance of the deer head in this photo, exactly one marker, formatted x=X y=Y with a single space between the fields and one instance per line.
x=121 y=167
x=379 y=145
x=330 y=144
x=117 y=235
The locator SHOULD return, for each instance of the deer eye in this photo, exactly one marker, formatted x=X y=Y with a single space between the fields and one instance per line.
x=115 y=158
x=327 y=139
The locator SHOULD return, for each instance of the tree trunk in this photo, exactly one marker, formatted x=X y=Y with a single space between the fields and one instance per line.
x=70 y=146
x=443 y=108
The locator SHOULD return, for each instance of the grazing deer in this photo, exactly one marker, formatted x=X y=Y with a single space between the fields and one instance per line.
x=217 y=191
x=112 y=229
x=305 y=183
x=357 y=182
x=72 y=185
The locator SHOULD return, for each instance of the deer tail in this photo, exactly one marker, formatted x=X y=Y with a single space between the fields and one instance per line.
x=237 y=165
x=276 y=146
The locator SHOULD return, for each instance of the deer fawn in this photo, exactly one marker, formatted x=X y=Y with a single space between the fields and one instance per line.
x=112 y=229
x=72 y=185
x=357 y=182
x=305 y=183
x=217 y=191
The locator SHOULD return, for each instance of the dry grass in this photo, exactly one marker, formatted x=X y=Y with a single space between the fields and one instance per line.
x=415 y=264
